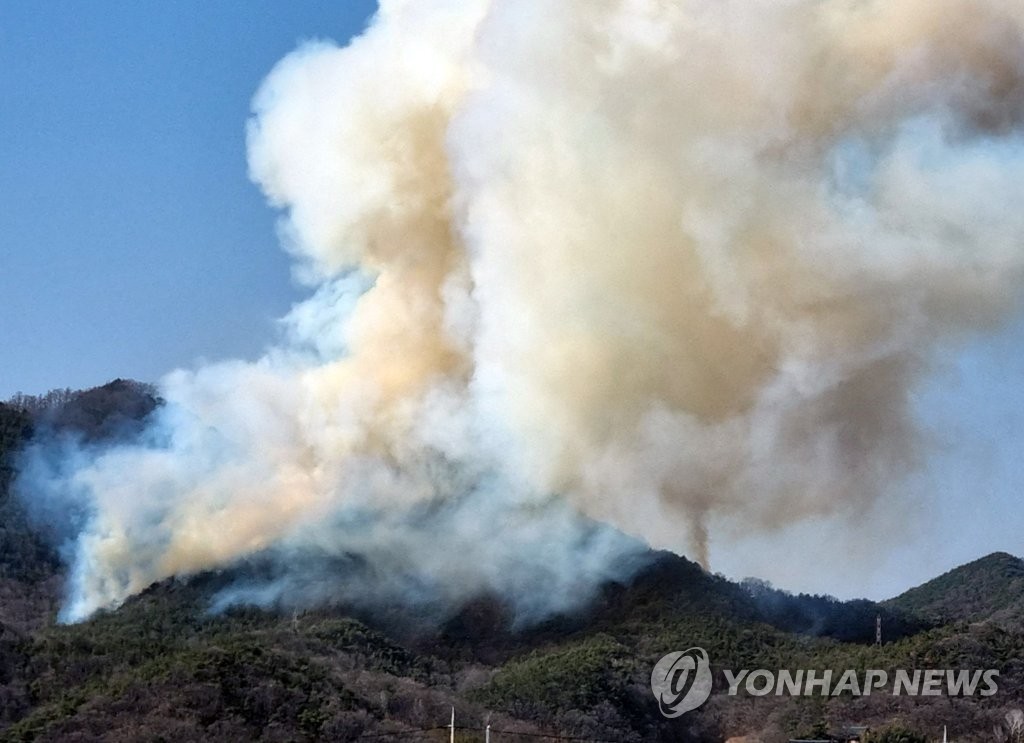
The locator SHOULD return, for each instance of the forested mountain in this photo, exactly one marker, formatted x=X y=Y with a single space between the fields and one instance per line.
x=23 y=555
x=986 y=589
x=163 y=667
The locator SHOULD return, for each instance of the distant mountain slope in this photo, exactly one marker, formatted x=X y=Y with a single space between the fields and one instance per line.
x=29 y=566
x=827 y=616
x=988 y=588
x=116 y=409
x=671 y=586
x=23 y=556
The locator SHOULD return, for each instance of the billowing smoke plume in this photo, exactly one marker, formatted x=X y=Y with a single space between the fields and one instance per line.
x=668 y=266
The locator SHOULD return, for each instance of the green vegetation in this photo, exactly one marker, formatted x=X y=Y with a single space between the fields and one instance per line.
x=989 y=588
x=163 y=668
x=578 y=675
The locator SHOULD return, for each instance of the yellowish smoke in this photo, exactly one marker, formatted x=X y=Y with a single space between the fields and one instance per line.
x=679 y=263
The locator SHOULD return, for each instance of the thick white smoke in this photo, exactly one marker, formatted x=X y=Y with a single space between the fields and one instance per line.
x=664 y=264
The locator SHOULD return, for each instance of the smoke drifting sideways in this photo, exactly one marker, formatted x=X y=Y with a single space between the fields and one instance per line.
x=582 y=270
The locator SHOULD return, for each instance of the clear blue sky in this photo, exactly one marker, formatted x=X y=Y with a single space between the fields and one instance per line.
x=131 y=240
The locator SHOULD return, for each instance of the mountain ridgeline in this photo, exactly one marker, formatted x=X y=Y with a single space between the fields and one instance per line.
x=165 y=667
x=991 y=588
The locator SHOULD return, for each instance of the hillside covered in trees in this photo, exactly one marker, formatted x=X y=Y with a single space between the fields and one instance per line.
x=988 y=589
x=163 y=667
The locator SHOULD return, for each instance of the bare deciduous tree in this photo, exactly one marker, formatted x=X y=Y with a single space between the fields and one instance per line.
x=1015 y=726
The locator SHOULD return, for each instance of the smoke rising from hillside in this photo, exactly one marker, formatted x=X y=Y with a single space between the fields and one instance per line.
x=674 y=266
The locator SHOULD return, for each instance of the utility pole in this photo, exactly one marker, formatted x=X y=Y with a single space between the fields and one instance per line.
x=487 y=734
x=452 y=726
